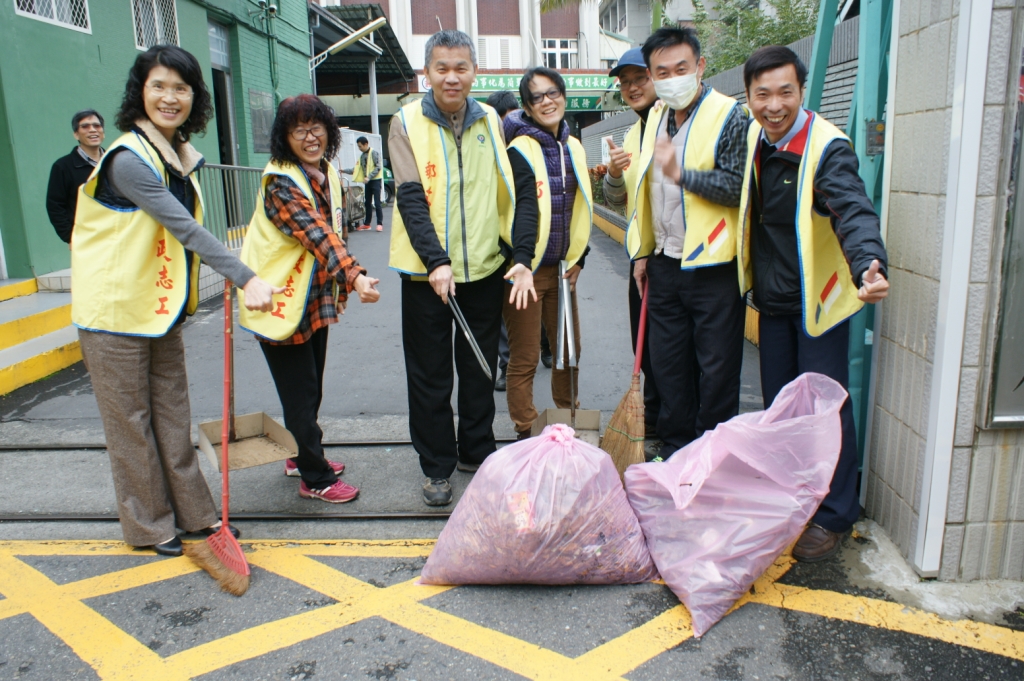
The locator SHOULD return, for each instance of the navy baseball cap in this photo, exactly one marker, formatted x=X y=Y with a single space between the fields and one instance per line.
x=631 y=57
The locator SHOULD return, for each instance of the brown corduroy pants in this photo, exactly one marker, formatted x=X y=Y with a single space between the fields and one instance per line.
x=524 y=348
x=142 y=392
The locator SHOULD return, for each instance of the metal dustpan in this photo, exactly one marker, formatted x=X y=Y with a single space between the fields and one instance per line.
x=586 y=422
x=254 y=439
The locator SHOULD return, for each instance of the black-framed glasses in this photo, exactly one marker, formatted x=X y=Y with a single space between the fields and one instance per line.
x=639 y=81
x=553 y=94
x=300 y=134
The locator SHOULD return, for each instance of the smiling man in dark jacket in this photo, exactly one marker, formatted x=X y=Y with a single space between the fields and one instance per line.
x=70 y=172
x=811 y=249
x=454 y=208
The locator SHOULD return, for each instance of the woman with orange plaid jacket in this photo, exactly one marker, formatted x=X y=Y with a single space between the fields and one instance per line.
x=299 y=188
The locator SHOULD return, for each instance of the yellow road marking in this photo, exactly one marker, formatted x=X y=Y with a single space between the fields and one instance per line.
x=114 y=654
x=18 y=331
x=111 y=652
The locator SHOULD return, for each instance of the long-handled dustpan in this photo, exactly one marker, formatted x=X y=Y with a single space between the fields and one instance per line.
x=624 y=437
x=220 y=554
x=256 y=438
x=586 y=422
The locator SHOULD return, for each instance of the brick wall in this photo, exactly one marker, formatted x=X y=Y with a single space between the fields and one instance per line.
x=425 y=14
x=562 y=23
x=497 y=17
x=984 y=533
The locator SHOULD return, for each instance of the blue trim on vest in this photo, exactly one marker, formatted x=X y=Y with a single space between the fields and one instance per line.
x=447 y=192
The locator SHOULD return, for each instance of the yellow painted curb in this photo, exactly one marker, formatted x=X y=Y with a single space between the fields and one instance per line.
x=21 y=288
x=612 y=230
x=40 y=366
x=33 y=326
x=752 y=326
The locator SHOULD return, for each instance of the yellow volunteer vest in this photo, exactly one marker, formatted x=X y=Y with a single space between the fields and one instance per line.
x=471 y=203
x=132 y=273
x=358 y=175
x=640 y=229
x=710 y=227
x=582 y=207
x=281 y=260
x=829 y=296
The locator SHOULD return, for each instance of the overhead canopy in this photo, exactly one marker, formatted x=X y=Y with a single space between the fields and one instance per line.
x=348 y=68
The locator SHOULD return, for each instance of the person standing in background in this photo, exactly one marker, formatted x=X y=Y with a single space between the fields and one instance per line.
x=368 y=171
x=504 y=102
x=70 y=172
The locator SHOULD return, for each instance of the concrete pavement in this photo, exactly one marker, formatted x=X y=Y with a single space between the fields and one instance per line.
x=336 y=599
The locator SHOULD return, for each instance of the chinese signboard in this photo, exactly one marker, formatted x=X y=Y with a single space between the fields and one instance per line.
x=261 y=112
x=572 y=103
x=510 y=81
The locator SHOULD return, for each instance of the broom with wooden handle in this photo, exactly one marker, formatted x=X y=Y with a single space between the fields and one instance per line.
x=624 y=436
x=220 y=554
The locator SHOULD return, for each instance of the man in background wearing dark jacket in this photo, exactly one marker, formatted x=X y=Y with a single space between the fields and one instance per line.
x=811 y=249
x=70 y=172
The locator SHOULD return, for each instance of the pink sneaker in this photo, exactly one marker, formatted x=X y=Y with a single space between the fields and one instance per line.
x=292 y=470
x=363 y=228
x=380 y=228
x=338 y=493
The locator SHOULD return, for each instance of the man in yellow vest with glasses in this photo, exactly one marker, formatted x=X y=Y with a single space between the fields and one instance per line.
x=682 y=239
x=811 y=249
x=454 y=211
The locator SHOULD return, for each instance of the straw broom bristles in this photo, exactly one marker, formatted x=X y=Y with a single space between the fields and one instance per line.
x=624 y=436
x=203 y=555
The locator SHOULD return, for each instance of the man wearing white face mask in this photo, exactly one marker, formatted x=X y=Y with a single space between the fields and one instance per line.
x=684 y=243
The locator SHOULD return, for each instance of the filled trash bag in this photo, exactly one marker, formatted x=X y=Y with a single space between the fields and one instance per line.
x=722 y=509
x=547 y=510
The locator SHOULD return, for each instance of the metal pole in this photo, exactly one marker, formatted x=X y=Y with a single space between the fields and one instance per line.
x=827 y=12
x=374 y=122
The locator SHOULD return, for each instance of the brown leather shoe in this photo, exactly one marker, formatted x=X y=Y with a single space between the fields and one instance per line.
x=816 y=544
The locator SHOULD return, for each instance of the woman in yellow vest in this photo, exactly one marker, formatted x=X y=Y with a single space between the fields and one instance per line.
x=294 y=241
x=138 y=238
x=553 y=187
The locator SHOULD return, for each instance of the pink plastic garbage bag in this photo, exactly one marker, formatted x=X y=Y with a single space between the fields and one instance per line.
x=548 y=510
x=722 y=509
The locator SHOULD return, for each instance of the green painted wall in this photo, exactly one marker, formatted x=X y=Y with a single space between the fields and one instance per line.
x=49 y=72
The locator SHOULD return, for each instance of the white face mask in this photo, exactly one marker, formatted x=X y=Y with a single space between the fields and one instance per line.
x=677 y=92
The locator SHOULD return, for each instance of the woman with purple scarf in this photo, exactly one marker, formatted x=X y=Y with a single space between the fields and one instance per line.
x=553 y=191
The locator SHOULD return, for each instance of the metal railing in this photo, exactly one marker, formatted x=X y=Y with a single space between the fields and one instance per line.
x=230 y=194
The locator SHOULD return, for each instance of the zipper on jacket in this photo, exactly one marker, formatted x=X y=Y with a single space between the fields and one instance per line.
x=462 y=208
x=565 y=222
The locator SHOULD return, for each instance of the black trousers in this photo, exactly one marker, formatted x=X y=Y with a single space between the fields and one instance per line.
x=298 y=372
x=786 y=352
x=652 y=400
x=695 y=325
x=427 y=328
x=371 y=195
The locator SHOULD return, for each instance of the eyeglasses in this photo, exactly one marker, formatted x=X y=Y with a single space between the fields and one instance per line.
x=90 y=126
x=300 y=134
x=179 y=91
x=553 y=94
x=640 y=81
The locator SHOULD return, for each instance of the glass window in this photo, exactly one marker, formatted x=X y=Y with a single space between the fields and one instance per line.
x=220 y=56
x=69 y=13
x=156 y=23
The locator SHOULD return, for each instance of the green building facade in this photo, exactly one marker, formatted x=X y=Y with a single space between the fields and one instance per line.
x=61 y=57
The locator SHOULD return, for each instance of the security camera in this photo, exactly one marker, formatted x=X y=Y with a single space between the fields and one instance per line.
x=262 y=4
x=272 y=10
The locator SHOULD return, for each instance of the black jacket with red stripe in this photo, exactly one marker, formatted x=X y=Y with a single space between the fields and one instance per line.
x=838 y=192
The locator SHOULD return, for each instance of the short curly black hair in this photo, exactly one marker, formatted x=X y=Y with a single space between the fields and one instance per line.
x=302 y=109
x=133 y=105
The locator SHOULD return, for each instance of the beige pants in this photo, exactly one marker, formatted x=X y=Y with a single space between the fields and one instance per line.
x=142 y=392
x=523 y=328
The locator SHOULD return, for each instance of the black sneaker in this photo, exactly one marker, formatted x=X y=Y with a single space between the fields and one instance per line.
x=499 y=384
x=545 y=357
x=467 y=467
x=653 y=449
x=437 y=492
